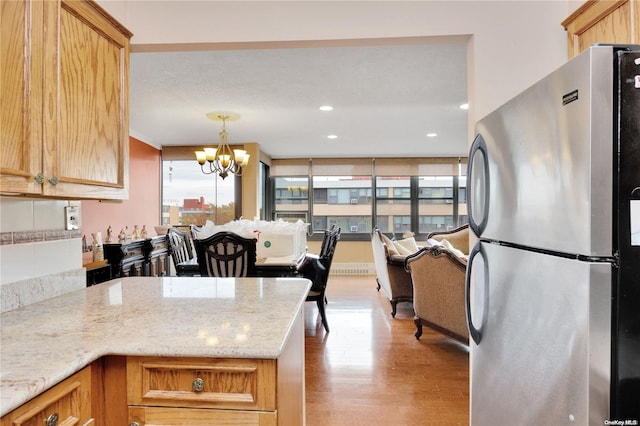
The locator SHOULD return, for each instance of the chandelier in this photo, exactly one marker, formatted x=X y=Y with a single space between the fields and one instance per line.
x=222 y=159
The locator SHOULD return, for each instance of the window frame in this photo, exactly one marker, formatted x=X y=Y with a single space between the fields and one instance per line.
x=414 y=201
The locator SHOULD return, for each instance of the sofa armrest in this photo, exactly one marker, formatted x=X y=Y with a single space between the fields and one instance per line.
x=459 y=237
x=397 y=259
x=438 y=278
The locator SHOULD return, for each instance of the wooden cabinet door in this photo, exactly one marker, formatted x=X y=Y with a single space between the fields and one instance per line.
x=135 y=269
x=603 y=21
x=158 y=266
x=156 y=416
x=220 y=383
x=64 y=91
x=85 y=129
x=69 y=402
x=21 y=96
x=157 y=252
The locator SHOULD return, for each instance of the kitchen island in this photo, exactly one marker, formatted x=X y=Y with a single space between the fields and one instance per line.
x=154 y=332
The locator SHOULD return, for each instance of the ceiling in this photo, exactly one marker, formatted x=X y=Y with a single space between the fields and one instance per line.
x=386 y=99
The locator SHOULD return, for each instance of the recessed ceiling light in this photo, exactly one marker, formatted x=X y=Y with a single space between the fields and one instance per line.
x=432 y=135
x=464 y=106
x=326 y=108
x=333 y=136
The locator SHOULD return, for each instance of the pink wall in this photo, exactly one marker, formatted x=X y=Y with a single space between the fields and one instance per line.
x=143 y=205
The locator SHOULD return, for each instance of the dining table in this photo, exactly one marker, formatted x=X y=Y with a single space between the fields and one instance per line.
x=284 y=266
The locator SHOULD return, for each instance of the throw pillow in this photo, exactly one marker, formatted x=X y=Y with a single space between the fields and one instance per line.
x=433 y=242
x=406 y=246
x=390 y=246
x=452 y=249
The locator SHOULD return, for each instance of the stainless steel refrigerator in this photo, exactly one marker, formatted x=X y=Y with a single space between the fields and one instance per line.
x=553 y=284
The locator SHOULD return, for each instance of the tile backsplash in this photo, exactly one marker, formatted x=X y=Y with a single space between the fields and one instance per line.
x=38 y=257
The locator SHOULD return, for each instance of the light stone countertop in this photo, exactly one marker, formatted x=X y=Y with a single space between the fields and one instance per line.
x=46 y=342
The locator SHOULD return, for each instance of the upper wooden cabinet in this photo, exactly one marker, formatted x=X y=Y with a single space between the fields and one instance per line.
x=64 y=123
x=603 y=21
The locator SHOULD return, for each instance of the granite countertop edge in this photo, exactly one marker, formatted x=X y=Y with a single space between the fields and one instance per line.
x=244 y=305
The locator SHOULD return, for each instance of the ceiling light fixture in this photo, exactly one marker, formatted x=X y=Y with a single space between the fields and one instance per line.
x=222 y=159
x=432 y=135
x=326 y=108
x=464 y=106
x=333 y=136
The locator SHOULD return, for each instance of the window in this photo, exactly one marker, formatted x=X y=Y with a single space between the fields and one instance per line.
x=348 y=193
x=343 y=201
x=462 y=201
x=393 y=203
x=435 y=203
x=191 y=197
x=265 y=200
x=291 y=193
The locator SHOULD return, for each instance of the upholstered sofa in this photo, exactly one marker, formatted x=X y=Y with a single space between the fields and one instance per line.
x=460 y=238
x=391 y=275
x=438 y=276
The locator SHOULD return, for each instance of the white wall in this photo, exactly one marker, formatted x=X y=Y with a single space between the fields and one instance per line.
x=39 y=259
x=514 y=44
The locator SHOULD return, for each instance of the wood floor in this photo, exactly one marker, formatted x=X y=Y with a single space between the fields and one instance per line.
x=371 y=370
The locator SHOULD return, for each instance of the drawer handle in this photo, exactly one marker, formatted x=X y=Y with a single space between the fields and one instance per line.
x=134 y=424
x=198 y=385
x=39 y=178
x=52 y=420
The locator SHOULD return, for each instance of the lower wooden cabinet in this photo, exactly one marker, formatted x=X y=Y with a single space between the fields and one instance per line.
x=142 y=390
x=67 y=403
x=156 y=416
x=169 y=390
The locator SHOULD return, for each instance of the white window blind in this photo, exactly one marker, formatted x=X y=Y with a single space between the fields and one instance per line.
x=435 y=166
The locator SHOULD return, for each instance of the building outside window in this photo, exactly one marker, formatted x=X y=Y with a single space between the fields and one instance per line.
x=291 y=198
x=343 y=201
x=435 y=204
x=190 y=197
x=394 y=203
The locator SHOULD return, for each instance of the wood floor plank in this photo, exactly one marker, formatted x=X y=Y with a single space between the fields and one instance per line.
x=371 y=370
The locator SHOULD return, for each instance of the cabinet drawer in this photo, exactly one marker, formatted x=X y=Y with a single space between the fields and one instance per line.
x=133 y=253
x=167 y=416
x=67 y=403
x=244 y=384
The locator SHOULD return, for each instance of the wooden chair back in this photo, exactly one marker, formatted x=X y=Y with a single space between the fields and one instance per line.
x=316 y=269
x=226 y=254
x=180 y=248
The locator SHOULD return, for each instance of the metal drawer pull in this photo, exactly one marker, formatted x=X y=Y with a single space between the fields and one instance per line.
x=134 y=424
x=52 y=420
x=198 y=385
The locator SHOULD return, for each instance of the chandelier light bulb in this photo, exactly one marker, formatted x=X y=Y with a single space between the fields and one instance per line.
x=222 y=159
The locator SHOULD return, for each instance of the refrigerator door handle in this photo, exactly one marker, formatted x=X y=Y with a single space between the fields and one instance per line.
x=476 y=333
x=478 y=185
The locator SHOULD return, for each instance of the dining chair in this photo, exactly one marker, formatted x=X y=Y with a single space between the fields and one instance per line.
x=316 y=269
x=226 y=254
x=325 y=240
x=181 y=252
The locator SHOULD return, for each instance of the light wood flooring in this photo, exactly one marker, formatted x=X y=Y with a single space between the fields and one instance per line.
x=370 y=369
